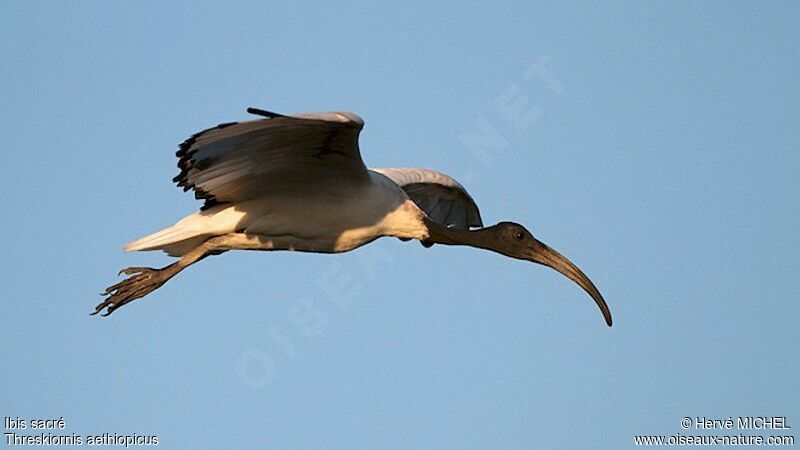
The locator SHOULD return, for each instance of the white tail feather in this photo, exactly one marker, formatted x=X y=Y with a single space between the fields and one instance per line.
x=219 y=220
x=153 y=241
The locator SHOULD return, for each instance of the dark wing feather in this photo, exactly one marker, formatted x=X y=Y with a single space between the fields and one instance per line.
x=242 y=160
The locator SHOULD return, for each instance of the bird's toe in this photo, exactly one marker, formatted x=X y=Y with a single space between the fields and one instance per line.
x=142 y=281
x=133 y=270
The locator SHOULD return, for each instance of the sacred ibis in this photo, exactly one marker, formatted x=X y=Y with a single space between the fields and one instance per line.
x=298 y=183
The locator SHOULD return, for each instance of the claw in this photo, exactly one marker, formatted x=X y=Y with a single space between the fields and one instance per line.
x=102 y=305
x=142 y=281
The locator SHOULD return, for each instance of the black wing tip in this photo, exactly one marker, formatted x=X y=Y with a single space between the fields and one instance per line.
x=183 y=147
x=185 y=152
x=264 y=113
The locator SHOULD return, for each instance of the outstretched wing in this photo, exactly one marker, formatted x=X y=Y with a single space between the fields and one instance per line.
x=443 y=199
x=242 y=160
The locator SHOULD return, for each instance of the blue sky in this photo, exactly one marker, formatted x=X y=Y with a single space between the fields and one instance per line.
x=656 y=144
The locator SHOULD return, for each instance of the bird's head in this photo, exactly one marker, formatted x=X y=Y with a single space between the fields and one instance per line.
x=514 y=240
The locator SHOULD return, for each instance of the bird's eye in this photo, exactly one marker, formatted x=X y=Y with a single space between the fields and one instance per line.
x=519 y=235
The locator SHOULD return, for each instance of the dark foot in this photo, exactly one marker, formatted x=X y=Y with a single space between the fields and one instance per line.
x=144 y=281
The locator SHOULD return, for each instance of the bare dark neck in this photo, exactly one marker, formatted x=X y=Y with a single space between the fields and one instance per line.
x=480 y=238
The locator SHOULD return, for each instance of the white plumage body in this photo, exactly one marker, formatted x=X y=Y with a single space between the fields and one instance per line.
x=323 y=216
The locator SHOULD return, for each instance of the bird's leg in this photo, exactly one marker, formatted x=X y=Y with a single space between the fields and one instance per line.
x=145 y=280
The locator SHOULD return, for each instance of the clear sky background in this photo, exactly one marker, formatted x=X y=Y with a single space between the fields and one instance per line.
x=657 y=146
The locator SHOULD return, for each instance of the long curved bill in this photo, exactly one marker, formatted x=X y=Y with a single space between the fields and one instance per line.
x=540 y=253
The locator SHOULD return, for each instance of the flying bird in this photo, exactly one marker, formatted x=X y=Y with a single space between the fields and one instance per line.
x=298 y=183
